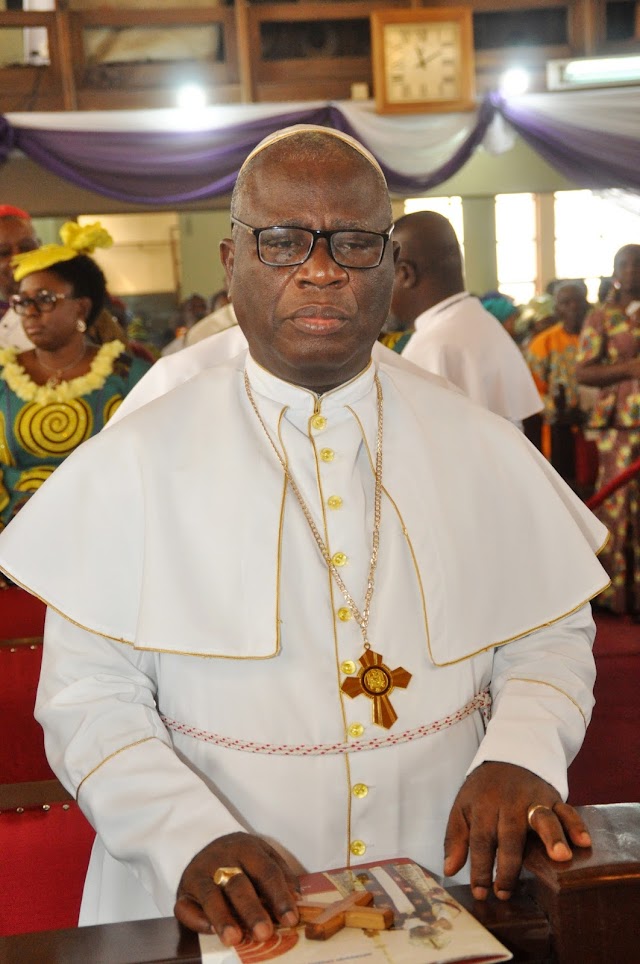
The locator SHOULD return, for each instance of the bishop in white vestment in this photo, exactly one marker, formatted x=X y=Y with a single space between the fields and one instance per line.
x=209 y=564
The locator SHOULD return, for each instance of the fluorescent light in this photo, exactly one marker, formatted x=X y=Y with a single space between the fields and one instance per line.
x=593 y=72
x=515 y=81
x=191 y=97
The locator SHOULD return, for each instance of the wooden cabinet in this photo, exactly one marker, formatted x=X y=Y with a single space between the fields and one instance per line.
x=286 y=51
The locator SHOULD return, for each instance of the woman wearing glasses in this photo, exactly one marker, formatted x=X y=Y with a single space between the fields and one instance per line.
x=63 y=390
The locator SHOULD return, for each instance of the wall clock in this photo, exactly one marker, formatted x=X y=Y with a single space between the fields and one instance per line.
x=423 y=59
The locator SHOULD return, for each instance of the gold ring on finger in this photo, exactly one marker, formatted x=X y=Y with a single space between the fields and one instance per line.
x=223 y=875
x=533 y=808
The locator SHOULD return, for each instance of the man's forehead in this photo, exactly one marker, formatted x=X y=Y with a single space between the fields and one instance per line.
x=12 y=226
x=341 y=187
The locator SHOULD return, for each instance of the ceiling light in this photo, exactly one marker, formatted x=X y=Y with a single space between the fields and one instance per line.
x=593 y=72
x=191 y=97
x=515 y=81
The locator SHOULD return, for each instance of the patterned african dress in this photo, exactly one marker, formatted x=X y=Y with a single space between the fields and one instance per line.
x=610 y=336
x=40 y=425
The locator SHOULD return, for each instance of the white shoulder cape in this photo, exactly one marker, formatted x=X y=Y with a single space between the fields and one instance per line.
x=154 y=532
x=465 y=344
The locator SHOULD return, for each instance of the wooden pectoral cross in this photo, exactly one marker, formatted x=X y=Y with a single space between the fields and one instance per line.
x=324 y=920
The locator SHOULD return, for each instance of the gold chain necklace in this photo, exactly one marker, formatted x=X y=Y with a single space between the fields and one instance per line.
x=57 y=373
x=375 y=679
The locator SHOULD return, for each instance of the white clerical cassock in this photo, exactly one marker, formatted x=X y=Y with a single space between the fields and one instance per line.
x=196 y=645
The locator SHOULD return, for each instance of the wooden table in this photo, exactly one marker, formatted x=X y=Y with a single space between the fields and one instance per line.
x=586 y=911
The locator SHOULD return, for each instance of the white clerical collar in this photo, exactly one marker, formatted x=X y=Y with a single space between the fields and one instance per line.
x=303 y=399
x=431 y=313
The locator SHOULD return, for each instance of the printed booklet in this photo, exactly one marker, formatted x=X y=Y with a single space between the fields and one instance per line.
x=425 y=924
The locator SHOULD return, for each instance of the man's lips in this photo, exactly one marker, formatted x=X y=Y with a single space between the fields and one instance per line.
x=319 y=319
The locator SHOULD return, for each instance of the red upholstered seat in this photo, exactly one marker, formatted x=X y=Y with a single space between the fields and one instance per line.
x=22 y=745
x=21 y=614
x=45 y=854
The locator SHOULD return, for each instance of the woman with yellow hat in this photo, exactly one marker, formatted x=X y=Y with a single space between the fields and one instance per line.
x=63 y=390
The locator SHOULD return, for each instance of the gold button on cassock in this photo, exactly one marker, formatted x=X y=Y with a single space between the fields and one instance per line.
x=334 y=502
x=318 y=422
x=348 y=667
x=360 y=790
x=327 y=455
x=339 y=559
x=358 y=847
x=356 y=729
x=344 y=614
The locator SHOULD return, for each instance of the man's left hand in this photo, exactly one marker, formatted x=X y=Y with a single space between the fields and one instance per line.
x=489 y=820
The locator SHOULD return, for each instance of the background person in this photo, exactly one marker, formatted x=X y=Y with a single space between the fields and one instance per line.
x=536 y=316
x=220 y=319
x=17 y=235
x=61 y=391
x=375 y=532
x=552 y=359
x=454 y=335
x=503 y=308
x=609 y=359
x=192 y=310
x=219 y=299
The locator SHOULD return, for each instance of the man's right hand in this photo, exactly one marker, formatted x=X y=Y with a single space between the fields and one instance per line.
x=265 y=891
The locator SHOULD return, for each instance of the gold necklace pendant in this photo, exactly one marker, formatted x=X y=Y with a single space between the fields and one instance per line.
x=377 y=681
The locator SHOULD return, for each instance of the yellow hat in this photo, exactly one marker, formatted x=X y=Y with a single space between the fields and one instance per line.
x=75 y=240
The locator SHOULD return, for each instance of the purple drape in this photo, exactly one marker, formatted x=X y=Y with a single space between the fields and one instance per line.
x=174 y=167
x=588 y=158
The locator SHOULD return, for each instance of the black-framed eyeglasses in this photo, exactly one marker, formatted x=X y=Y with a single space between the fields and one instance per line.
x=43 y=302
x=286 y=246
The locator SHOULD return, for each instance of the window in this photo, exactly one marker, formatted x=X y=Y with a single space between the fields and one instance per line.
x=517 y=28
x=449 y=207
x=516 y=246
x=589 y=230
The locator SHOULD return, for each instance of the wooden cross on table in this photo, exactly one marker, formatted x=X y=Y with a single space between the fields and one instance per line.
x=324 y=920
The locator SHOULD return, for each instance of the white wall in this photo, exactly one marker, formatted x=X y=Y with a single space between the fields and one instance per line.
x=200 y=233
x=144 y=257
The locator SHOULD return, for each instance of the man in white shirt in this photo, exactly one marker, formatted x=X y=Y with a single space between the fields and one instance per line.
x=16 y=236
x=296 y=580
x=454 y=335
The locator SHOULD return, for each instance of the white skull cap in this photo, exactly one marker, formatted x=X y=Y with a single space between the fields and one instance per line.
x=302 y=129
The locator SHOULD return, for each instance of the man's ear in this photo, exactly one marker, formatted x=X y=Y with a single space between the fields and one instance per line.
x=406 y=274
x=227 y=256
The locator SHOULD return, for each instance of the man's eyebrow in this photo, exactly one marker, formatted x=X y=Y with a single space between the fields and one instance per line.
x=296 y=222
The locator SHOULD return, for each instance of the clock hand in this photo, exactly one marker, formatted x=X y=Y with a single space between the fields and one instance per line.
x=432 y=56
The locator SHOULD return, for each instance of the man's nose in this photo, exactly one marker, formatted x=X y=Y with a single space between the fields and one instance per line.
x=320 y=268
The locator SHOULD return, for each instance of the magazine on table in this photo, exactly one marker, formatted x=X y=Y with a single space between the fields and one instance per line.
x=425 y=924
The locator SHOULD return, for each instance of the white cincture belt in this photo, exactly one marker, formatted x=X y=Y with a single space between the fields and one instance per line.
x=480 y=702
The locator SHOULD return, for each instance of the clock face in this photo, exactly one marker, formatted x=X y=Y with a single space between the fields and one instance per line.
x=423 y=62
x=422 y=59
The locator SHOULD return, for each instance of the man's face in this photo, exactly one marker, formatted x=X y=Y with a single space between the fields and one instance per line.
x=626 y=269
x=571 y=307
x=16 y=237
x=311 y=324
